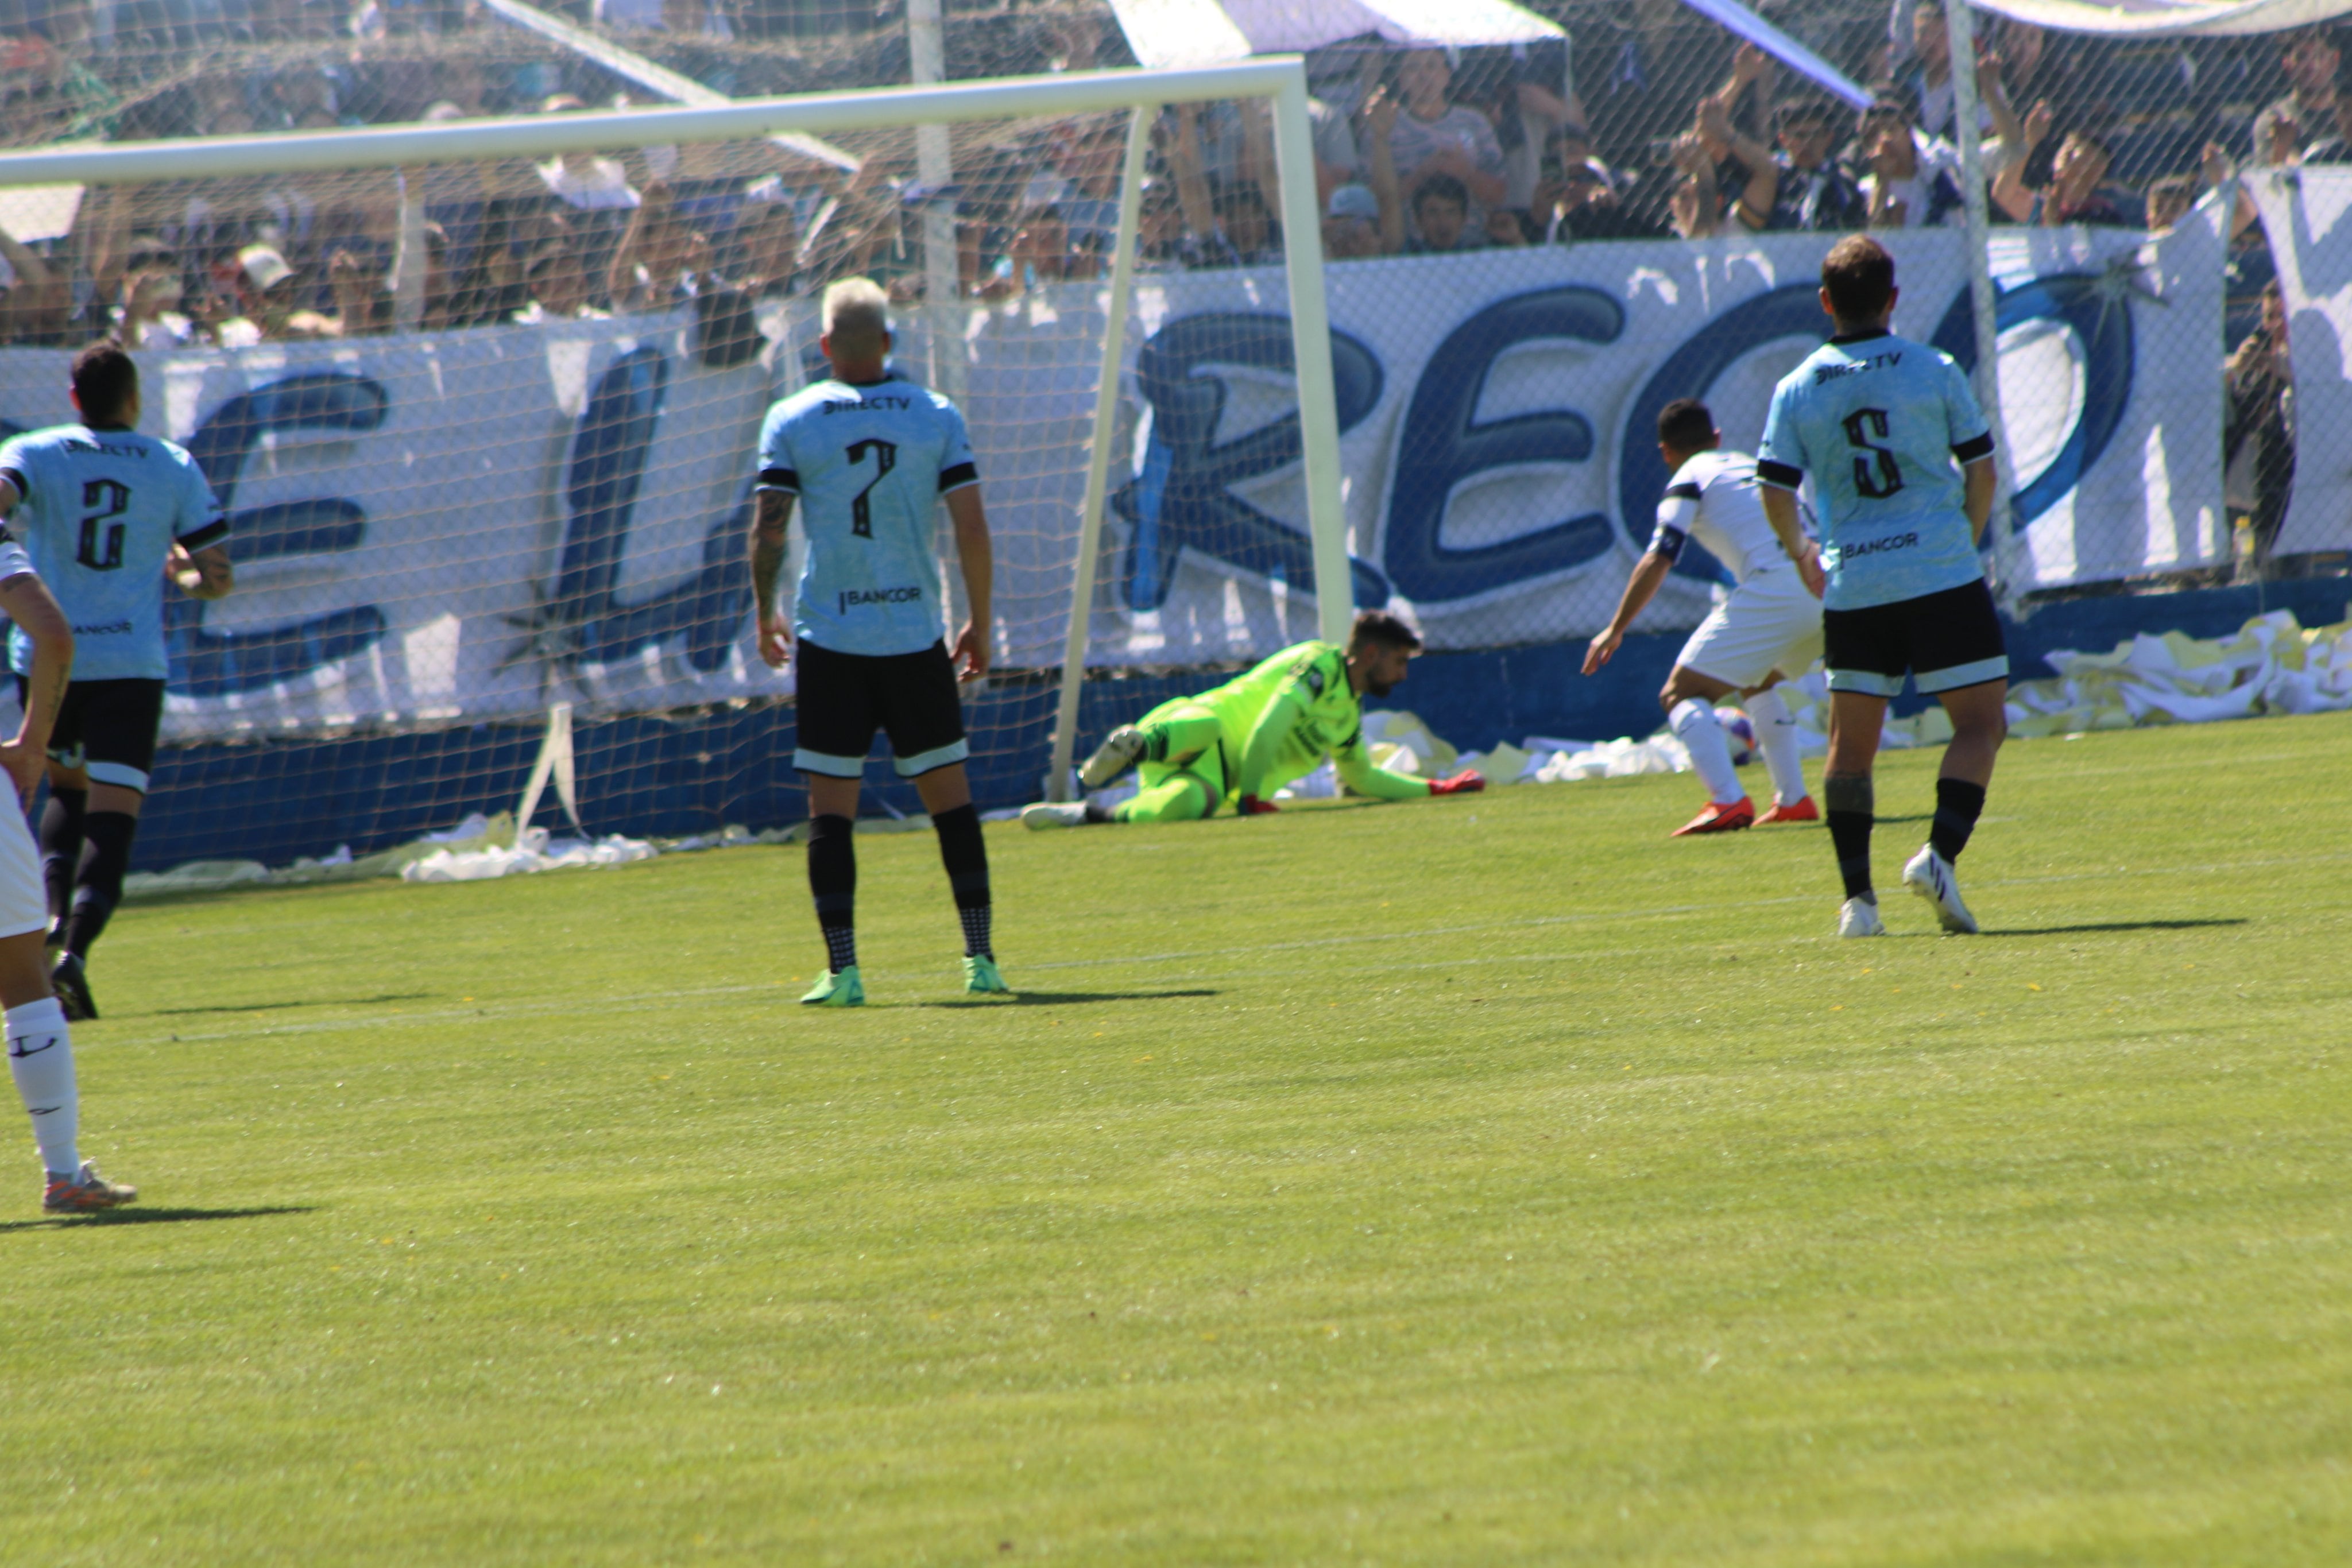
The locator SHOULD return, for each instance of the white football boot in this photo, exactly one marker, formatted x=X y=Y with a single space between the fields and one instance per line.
x=1859 y=918
x=1114 y=757
x=1930 y=876
x=1055 y=814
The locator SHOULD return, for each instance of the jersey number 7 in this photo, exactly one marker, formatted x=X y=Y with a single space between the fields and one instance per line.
x=114 y=499
x=886 y=457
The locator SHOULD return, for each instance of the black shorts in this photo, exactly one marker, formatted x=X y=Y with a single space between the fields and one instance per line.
x=1944 y=641
x=844 y=697
x=106 y=728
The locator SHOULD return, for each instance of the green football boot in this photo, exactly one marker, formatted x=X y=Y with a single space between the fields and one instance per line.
x=844 y=990
x=980 y=979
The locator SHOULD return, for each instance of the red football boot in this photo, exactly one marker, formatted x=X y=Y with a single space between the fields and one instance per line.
x=1720 y=819
x=1800 y=809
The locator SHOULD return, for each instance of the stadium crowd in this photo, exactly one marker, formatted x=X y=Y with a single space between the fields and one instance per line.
x=1671 y=129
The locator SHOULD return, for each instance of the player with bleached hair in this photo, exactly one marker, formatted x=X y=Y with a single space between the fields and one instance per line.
x=1901 y=461
x=869 y=457
x=1769 y=629
x=1244 y=740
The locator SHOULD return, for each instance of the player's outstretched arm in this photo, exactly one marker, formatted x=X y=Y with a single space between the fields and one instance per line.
x=207 y=574
x=27 y=601
x=771 y=514
x=1640 y=588
x=978 y=558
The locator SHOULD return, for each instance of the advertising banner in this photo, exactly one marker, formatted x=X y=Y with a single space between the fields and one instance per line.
x=435 y=530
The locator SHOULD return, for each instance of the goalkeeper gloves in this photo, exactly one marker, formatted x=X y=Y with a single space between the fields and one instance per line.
x=1469 y=781
x=1251 y=806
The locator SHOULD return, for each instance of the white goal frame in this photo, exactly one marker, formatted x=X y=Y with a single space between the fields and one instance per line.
x=1280 y=79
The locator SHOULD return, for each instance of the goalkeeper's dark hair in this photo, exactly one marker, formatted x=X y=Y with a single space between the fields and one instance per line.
x=105 y=379
x=1686 y=425
x=1378 y=628
x=1859 y=276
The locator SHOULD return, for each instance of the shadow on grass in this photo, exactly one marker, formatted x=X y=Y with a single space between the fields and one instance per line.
x=271 y=1006
x=2090 y=927
x=135 y=1215
x=1066 y=998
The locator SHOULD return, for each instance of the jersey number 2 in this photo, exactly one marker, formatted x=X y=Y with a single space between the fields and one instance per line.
x=886 y=457
x=1860 y=425
x=110 y=500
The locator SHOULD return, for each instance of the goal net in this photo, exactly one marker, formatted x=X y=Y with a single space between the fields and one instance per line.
x=483 y=400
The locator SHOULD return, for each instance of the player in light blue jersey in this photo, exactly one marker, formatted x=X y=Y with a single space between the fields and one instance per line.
x=869 y=456
x=106 y=514
x=1902 y=468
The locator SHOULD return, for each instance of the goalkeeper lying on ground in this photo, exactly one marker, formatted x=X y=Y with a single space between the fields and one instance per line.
x=1258 y=732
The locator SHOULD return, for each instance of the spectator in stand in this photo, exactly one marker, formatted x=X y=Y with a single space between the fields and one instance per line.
x=1913 y=182
x=2023 y=69
x=1588 y=207
x=1642 y=85
x=1928 y=73
x=2336 y=147
x=151 y=287
x=363 y=305
x=263 y=291
x=1435 y=136
x=2258 y=446
x=661 y=260
x=34 y=300
x=2311 y=58
x=1812 y=191
x=1753 y=184
x=557 y=284
x=2169 y=200
x=1351 y=223
x=1231 y=229
x=1695 y=203
x=1441 y=218
x=1042 y=253
x=2077 y=191
x=767 y=246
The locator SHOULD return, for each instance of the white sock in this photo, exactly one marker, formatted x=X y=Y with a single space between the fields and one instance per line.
x=40 y=1057
x=1693 y=720
x=1776 y=737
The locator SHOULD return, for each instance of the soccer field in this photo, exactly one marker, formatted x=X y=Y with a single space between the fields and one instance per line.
x=1489 y=1180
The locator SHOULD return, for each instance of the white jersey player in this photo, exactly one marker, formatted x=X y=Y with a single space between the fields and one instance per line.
x=40 y=1056
x=1769 y=629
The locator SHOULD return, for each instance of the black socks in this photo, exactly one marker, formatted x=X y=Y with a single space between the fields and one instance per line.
x=1852 y=807
x=98 y=884
x=965 y=854
x=61 y=827
x=833 y=884
x=1957 y=805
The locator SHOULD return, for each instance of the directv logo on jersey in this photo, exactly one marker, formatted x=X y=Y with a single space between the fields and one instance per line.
x=871 y=404
x=1831 y=372
x=850 y=596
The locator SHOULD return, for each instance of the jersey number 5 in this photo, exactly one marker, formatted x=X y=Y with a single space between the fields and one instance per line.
x=886 y=457
x=110 y=500
x=1860 y=425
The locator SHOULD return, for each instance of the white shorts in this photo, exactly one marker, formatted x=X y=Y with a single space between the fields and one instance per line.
x=1769 y=624
x=23 y=900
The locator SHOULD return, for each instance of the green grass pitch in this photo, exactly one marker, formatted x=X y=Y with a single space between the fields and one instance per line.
x=1483 y=1181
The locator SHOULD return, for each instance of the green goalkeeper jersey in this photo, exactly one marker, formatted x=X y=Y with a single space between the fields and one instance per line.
x=1282 y=716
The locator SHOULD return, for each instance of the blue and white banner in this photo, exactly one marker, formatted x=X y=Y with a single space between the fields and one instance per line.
x=440 y=530
x=2307 y=214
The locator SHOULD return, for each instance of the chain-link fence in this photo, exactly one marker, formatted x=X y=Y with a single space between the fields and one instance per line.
x=1647 y=157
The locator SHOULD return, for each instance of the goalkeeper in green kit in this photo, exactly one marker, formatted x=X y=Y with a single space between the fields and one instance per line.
x=1258 y=732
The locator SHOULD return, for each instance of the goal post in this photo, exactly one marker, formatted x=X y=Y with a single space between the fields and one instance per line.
x=642 y=419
